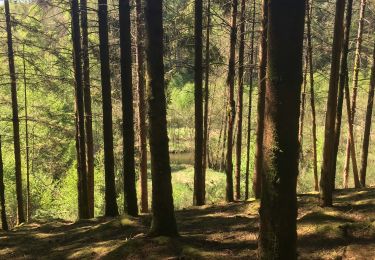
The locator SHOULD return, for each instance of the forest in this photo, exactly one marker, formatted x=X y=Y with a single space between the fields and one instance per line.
x=187 y=129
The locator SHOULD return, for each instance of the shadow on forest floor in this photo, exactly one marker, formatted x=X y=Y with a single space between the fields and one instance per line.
x=227 y=231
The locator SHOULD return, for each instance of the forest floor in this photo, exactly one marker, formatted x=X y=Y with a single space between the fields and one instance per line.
x=225 y=231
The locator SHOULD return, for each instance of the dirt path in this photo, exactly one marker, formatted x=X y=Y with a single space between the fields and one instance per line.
x=229 y=231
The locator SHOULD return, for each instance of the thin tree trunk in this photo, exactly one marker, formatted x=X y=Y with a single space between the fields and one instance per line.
x=329 y=134
x=4 y=223
x=111 y=208
x=231 y=103
x=163 y=218
x=16 y=122
x=303 y=107
x=366 y=135
x=278 y=208
x=88 y=110
x=342 y=83
x=240 y=100
x=206 y=154
x=26 y=137
x=261 y=102
x=350 y=141
x=251 y=77
x=199 y=196
x=130 y=193
x=312 y=92
x=142 y=106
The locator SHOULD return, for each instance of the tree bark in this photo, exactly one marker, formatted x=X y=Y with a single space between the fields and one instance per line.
x=199 y=196
x=4 y=223
x=15 y=118
x=366 y=135
x=142 y=106
x=261 y=102
x=350 y=142
x=329 y=134
x=130 y=193
x=303 y=107
x=88 y=110
x=278 y=208
x=163 y=218
x=342 y=83
x=111 y=209
x=312 y=92
x=251 y=77
x=240 y=99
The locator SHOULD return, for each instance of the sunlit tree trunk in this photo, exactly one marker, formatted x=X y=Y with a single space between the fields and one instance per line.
x=366 y=135
x=329 y=133
x=199 y=196
x=342 y=82
x=4 y=223
x=130 y=193
x=231 y=103
x=350 y=150
x=111 y=208
x=142 y=106
x=278 y=208
x=251 y=77
x=240 y=99
x=88 y=110
x=257 y=184
x=163 y=218
x=15 y=118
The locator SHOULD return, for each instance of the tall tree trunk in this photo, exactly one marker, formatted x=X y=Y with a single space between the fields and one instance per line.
x=366 y=135
x=342 y=83
x=251 y=77
x=199 y=196
x=240 y=99
x=163 y=218
x=111 y=208
x=257 y=183
x=27 y=148
x=278 y=208
x=142 y=106
x=312 y=92
x=88 y=110
x=303 y=107
x=206 y=154
x=77 y=52
x=16 y=121
x=350 y=141
x=4 y=223
x=329 y=134
x=130 y=193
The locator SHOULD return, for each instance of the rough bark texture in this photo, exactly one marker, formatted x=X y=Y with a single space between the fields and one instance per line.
x=142 y=106
x=15 y=118
x=88 y=110
x=342 y=82
x=251 y=77
x=163 y=218
x=278 y=209
x=111 y=208
x=329 y=134
x=231 y=103
x=130 y=193
x=350 y=142
x=240 y=100
x=4 y=223
x=367 y=131
x=312 y=92
x=199 y=196
x=257 y=185
x=205 y=155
